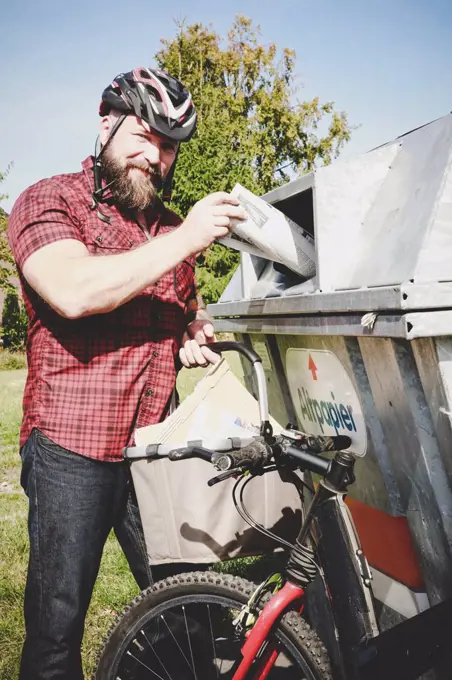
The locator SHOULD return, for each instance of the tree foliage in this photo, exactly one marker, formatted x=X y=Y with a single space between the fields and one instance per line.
x=13 y=328
x=251 y=127
x=7 y=267
x=14 y=323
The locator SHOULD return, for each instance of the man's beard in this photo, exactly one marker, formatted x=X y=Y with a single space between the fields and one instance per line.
x=134 y=185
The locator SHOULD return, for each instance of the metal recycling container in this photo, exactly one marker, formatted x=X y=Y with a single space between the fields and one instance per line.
x=365 y=348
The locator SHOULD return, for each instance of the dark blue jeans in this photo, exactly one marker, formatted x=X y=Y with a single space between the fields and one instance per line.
x=74 y=502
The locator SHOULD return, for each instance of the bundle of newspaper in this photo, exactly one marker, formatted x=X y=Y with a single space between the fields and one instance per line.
x=268 y=233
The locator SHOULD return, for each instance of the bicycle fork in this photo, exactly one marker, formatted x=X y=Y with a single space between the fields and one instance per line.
x=289 y=597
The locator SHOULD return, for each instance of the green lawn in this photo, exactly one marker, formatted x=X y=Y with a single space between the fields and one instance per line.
x=115 y=586
x=13 y=534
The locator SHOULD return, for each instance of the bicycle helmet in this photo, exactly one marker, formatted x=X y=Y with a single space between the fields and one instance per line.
x=162 y=101
x=155 y=97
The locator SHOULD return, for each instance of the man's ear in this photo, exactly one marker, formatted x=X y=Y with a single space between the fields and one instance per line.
x=105 y=129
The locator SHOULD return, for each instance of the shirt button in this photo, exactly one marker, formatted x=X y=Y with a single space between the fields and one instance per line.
x=149 y=393
x=155 y=353
x=99 y=239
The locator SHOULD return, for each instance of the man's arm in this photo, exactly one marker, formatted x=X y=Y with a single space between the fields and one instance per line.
x=76 y=283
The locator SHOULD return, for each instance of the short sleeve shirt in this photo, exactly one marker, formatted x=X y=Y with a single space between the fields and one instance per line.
x=92 y=381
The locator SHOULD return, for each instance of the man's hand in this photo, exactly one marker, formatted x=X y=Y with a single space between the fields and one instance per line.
x=209 y=219
x=199 y=332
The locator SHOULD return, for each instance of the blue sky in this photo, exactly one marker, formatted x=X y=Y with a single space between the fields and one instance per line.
x=387 y=63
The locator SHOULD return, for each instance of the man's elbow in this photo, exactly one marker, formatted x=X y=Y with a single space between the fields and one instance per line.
x=74 y=307
x=67 y=307
x=65 y=301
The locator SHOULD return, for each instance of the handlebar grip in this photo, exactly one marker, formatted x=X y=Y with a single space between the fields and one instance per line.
x=229 y=345
x=321 y=444
x=253 y=455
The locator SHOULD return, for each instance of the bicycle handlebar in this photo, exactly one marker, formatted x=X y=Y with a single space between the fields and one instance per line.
x=258 y=453
x=309 y=461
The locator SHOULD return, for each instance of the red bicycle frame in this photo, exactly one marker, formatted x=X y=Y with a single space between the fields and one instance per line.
x=289 y=597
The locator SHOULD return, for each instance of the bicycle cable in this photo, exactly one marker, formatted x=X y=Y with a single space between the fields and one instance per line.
x=301 y=567
x=249 y=519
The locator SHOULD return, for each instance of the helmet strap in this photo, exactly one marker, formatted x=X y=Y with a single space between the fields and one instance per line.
x=168 y=183
x=99 y=190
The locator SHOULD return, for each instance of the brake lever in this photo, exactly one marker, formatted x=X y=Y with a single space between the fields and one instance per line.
x=224 y=475
x=190 y=452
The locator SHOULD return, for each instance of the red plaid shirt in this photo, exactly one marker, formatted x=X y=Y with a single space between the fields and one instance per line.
x=92 y=381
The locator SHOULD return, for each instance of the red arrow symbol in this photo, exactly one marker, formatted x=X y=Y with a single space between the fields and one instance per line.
x=312 y=367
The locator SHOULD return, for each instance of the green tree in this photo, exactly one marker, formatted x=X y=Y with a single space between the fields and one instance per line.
x=13 y=328
x=251 y=127
x=7 y=267
x=14 y=323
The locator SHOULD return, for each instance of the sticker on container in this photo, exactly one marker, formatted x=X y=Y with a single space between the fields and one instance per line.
x=324 y=397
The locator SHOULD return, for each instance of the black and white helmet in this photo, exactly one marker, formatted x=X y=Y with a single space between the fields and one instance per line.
x=155 y=97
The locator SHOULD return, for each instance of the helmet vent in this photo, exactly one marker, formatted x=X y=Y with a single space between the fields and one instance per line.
x=155 y=93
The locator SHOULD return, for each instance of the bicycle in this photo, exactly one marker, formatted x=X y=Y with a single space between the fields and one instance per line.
x=208 y=625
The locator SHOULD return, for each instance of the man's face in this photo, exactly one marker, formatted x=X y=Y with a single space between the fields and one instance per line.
x=136 y=161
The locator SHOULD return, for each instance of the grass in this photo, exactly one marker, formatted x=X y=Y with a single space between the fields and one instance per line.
x=115 y=586
x=13 y=527
x=11 y=361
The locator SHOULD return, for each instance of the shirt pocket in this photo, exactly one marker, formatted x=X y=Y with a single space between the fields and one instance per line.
x=108 y=240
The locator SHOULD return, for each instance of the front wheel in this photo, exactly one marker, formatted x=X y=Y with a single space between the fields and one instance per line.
x=182 y=629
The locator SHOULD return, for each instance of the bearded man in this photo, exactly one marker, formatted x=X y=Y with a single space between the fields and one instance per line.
x=107 y=275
